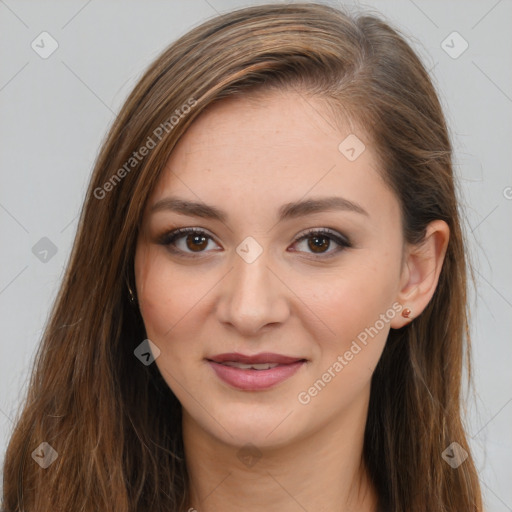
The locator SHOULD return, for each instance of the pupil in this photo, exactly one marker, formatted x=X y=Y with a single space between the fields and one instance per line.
x=318 y=245
x=198 y=242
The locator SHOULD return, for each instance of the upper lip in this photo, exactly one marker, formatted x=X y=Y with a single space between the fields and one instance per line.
x=264 y=357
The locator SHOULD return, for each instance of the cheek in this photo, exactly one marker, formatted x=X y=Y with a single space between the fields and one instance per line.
x=356 y=304
x=169 y=302
x=165 y=297
x=353 y=298
x=346 y=362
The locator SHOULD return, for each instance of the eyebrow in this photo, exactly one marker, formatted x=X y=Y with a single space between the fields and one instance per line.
x=286 y=211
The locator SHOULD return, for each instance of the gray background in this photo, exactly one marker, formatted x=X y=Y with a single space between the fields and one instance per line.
x=55 y=113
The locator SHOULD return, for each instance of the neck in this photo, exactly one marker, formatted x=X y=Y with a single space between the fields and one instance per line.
x=322 y=471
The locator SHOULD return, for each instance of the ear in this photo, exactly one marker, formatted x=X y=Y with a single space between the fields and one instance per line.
x=420 y=272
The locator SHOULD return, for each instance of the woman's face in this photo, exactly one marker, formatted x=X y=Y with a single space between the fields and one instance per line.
x=295 y=261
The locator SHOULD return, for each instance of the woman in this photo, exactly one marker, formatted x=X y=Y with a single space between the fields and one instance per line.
x=265 y=305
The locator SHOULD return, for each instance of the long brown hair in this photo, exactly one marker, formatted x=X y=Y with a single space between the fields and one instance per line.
x=113 y=421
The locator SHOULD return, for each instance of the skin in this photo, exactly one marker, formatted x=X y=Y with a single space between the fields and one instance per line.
x=248 y=156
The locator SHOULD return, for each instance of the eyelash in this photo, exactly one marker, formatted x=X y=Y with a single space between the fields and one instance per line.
x=169 y=238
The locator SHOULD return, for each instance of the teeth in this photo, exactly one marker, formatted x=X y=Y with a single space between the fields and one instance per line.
x=243 y=366
x=237 y=365
x=264 y=366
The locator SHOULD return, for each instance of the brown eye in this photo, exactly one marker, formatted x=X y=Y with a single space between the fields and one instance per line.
x=196 y=243
x=319 y=244
x=187 y=241
x=322 y=243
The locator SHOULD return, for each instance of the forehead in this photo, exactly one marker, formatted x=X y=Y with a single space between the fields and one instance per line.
x=277 y=146
x=275 y=121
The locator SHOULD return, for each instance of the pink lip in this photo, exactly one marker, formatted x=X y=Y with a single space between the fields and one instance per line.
x=255 y=380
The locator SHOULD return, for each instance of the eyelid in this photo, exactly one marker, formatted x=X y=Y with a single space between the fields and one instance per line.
x=338 y=238
x=332 y=233
x=169 y=237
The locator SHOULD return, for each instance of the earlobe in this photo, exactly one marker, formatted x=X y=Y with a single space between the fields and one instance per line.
x=406 y=313
x=422 y=267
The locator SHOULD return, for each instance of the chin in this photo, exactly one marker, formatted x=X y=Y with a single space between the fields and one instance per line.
x=257 y=424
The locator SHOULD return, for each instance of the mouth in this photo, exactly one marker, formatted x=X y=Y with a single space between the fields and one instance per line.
x=256 y=372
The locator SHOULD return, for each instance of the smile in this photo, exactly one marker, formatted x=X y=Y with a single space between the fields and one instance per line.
x=254 y=373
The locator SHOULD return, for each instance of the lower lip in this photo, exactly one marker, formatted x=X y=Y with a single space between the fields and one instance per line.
x=255 y=380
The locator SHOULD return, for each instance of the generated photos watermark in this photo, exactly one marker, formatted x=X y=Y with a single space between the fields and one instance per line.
x=151 y=142
x=305 y=397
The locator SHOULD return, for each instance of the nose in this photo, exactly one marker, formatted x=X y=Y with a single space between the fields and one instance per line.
x=252 y=297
